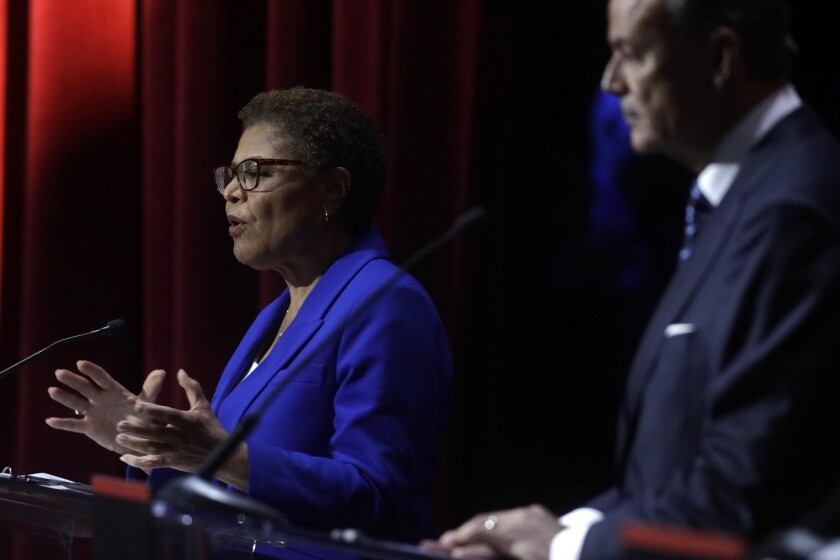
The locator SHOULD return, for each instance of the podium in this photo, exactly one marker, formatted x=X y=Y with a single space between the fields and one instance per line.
x=41 y=510
x=118 y=519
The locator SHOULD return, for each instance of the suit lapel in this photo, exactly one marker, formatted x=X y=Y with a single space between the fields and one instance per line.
x=689 y=278
x=680 y=291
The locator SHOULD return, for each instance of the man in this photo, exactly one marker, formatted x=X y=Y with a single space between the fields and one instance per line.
x=727 y=423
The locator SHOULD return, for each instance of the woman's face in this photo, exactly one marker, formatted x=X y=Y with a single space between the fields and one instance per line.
x=276 y=225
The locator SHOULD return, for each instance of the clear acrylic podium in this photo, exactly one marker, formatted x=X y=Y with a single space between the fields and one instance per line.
x=117 y=519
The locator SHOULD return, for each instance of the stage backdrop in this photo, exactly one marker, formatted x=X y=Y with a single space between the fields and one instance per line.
x=113 y=112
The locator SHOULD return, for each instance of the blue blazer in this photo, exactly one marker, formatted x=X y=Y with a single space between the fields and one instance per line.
x=351 y=439
x=729 y=420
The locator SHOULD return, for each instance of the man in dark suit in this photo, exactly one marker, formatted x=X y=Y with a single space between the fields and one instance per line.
x=727 y=423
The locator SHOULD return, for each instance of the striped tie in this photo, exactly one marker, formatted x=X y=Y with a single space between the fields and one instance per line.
x=696 y=212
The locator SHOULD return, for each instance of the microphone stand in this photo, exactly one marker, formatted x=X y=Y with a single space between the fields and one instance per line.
x=197 y=490
x=112 y=328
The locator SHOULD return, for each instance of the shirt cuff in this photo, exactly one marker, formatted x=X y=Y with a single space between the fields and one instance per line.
x=567 y=544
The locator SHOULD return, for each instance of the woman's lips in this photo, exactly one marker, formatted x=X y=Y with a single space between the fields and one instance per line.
x=237 y=226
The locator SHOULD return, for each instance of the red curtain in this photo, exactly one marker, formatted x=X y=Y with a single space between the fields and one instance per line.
x=113 y=113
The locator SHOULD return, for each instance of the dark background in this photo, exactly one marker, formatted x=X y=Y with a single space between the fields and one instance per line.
x=572 y=271
x=543 y=309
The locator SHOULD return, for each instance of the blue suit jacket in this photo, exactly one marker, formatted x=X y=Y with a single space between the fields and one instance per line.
x=351 y=440
x=729 y=420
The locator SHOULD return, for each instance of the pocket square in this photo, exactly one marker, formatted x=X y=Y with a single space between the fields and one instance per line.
x=677 y=329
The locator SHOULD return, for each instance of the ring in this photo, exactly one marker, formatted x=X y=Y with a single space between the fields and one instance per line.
x=79 y=414
x=490 y=523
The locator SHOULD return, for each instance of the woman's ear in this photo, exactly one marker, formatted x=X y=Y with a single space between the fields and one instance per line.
x=337 y=188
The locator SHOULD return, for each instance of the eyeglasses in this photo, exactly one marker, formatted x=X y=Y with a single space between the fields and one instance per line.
x=247 y=172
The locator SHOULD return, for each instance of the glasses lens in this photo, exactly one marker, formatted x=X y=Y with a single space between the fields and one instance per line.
x=223 y=176
x=248 y=173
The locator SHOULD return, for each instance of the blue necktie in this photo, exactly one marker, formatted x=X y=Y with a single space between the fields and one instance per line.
x=696 y=212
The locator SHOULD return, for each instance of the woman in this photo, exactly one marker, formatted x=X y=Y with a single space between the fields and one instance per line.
x=351 y=441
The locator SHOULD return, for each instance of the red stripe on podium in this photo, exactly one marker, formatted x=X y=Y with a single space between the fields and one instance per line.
x=120 y=488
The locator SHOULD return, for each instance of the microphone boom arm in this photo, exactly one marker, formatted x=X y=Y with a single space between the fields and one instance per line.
x=112 y=328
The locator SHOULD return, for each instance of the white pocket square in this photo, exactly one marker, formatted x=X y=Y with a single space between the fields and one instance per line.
x=677 y=329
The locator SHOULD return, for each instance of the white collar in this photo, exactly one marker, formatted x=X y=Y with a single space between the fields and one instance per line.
x=716 y=178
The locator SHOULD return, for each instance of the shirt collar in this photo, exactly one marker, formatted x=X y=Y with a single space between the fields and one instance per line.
x=716 y=178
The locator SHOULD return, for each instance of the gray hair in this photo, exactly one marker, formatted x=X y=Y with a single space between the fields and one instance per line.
x=763 y=25
x=328 y=130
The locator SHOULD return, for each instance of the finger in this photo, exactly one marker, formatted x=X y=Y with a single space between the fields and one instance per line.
x=152 y=385
x=477 y=550
x=433 y=545
x=163 y=414
x=98 y=375
x=70 y=400
x=145 y=462
x=142 y=446
x=76 y=382
x=467 y=532
x=76 y=425
x=195 y=395
x=150 y=432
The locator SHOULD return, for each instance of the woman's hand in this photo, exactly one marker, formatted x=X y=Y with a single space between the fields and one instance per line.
x=100 y=402
x=179 y=439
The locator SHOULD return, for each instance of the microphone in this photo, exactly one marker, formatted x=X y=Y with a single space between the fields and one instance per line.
x=111 y=328
x=469 y=222
x=182 y=492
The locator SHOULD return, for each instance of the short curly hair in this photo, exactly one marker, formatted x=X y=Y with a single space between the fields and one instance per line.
x=328 y=130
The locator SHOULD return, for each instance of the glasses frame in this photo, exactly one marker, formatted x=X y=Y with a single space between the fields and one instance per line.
x=259 y=161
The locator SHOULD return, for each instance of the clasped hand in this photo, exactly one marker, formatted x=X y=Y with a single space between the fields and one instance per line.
x=145 y=434
x=178 y=439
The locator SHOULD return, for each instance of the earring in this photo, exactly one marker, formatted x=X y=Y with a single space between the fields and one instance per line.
x=326 y=216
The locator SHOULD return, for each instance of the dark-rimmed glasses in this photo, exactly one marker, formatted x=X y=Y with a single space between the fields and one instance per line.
x=247 y=172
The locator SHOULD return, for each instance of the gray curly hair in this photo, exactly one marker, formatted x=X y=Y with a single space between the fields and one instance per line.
x=328 y=130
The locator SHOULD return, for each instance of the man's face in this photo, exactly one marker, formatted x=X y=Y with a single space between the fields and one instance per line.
x=663 y=78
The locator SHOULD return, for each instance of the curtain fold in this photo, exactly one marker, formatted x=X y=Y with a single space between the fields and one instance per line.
x=114 y=113
x=3 y=40
x=77 y=224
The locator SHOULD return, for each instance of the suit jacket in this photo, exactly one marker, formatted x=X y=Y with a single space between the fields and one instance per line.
x=351 y=438
x=728 y=421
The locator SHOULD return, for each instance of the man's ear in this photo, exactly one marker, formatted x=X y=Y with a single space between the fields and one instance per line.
x=727 y=61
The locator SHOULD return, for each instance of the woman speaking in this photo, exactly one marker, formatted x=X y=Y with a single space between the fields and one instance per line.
x=351 y=439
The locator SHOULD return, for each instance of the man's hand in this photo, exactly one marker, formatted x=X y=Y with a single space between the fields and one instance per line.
x=525 y=533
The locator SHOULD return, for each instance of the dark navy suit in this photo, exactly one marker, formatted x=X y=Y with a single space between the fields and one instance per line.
x=352 y=439
x=729 y=421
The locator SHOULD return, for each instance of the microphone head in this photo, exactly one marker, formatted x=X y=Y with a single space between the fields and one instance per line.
x=113 y=328
x=471 y=221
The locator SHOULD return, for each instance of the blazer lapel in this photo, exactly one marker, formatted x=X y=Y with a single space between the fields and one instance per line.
x=276 y=365
x=255 y=341
x=283 y=360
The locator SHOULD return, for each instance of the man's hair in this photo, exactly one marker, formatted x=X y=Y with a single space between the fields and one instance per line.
x=327 y=130
x=763 y=25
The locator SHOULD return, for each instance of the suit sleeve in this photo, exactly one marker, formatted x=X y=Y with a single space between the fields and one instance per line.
x=393 y=375
x=767 y=446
